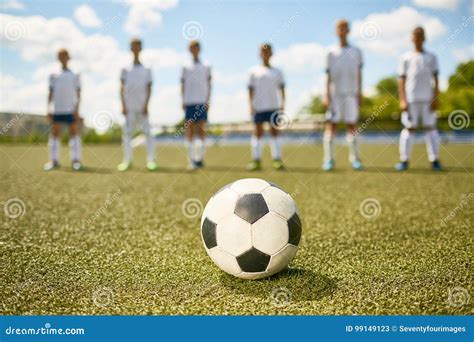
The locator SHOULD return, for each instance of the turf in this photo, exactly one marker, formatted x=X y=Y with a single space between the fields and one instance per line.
x=103 y=242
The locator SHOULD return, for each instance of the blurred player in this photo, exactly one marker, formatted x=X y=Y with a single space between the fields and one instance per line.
x=267 y=101
x=418 y=91
x=64 y=96
x=135 y=95
x=343 y=96
x=196 y=92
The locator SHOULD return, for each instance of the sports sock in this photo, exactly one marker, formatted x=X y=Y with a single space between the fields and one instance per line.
x=328 y=145
x=75 y=148
x=189 y=146
x=353 y=148
x=257 y=147
x=432 y=144
x=199 y=149
x=53 y=144
x=126 y=140
x=275 y=146
x=406 y=142
x=150 y=141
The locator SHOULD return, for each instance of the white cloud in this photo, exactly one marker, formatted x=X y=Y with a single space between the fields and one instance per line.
x=12 y=5
x=438 y=4
x=464 y=54
x=389 y=33
x=87 y=17
x=144 y=15
x=300 y=57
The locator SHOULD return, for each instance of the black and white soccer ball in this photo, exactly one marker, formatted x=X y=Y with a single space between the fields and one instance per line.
x=251 y=228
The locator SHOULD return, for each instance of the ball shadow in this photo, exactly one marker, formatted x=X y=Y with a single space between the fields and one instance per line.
x=303 y=284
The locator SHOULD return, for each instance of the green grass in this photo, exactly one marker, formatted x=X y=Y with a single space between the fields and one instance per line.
x=140 y=255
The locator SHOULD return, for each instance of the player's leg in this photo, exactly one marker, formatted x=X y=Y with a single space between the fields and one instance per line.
x=75 y=145
x=409 y=121
x=150 y=143
x=333 y=116
x=256 y=146
x=432 y=139
x=53 y=146
x=189 y=144
x=200 y=143
x=351 y=114
x=127 y=131
x=275 y=147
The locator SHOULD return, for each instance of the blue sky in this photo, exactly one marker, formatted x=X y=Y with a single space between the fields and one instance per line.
x=97 y=34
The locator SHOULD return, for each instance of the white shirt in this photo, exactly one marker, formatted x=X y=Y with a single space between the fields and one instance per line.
x=64 y=86
x=343 y=65
x=418 y=70
x=136 y=80
x=266 y=83
x=195 y=78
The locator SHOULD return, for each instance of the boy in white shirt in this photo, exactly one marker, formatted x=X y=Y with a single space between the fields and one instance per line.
x=267 y=101
x=64 y=96
x=418 y=91
x=135 y=95
x=196 y=92
x=343 y=96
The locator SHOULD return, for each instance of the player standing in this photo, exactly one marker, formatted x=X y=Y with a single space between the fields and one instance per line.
x=196 y=92
x=135 y=95
x=343 y=96
x=418 y=91
x=64 y=95
x=267 y=101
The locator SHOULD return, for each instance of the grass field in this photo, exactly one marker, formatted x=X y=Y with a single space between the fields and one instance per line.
x=103 y=242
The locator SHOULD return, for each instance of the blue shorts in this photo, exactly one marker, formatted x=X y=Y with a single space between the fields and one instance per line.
x=66 y=118
x=195 y=113
x=267 y=116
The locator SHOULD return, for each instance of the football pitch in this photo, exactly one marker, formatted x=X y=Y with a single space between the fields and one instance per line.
x=102 y=242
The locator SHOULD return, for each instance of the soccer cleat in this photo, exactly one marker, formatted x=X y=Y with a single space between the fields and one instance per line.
x=124 y=166
x=199 y=164
x=278 y=165
x=51 y=165
x=357 y=165
x=402 y=166
x=192 y=166
x=436 y=166
x=76 y=165
x=329 y=165
x=151 y=166
x=254 y=166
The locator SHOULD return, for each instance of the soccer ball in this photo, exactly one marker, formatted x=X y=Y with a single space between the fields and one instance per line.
x=251 y=228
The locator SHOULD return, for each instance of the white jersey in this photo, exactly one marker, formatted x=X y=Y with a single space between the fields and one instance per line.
x=266 y=83
x=136 y=80
x=64 y=86
x=418 y=69
x=195 y=79
x=343 y=67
